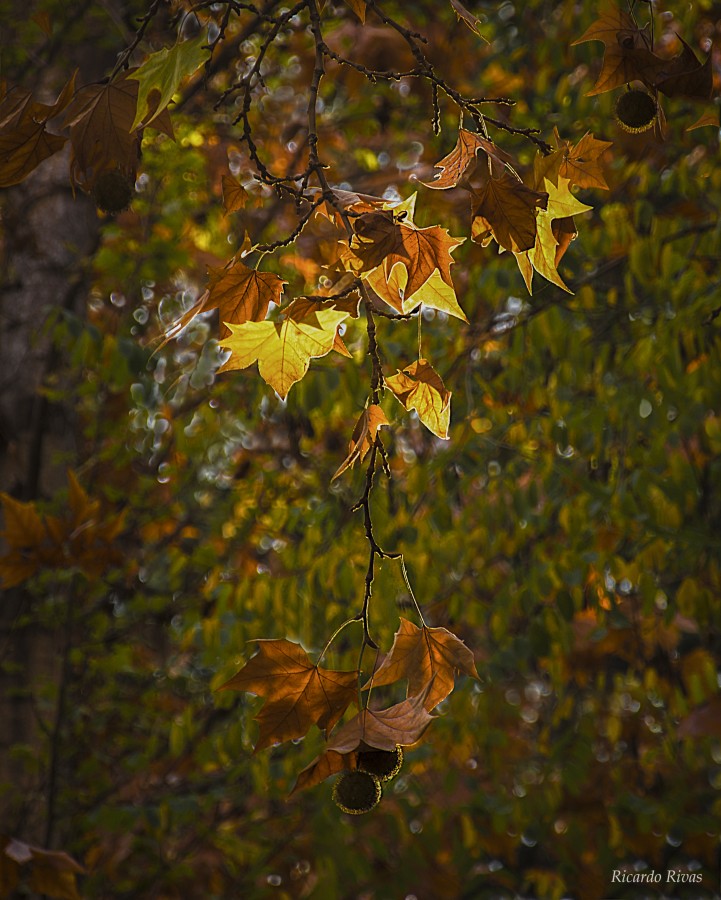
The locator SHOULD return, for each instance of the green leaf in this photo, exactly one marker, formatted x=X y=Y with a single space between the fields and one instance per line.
x=162 y=72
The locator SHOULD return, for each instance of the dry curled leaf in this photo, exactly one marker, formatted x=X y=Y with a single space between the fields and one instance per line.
x=363 y=438
x=429 y=658
x=298 y=694
x=383 y=729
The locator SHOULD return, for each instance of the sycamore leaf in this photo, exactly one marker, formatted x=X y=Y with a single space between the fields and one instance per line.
x=242 y=294
x=383 y=729
x=298 y=694
x=459 y=165
x=581 y=162
x=23 y=149
x=618 y=32
x=425 y=656
x=283 y=350
x=329 y=763
x=420 y=387
x=434 y=293
x=235 y=195
x=708 y=118
x=685 y=76
x=551 y=243
x=506 y=208
x=363 y=437
x=359 y=8
x=162 y=73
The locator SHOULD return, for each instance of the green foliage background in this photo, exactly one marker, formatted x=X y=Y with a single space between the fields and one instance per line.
x=568 y=531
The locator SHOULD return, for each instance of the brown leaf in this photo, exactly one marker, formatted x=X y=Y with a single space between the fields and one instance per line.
x=685 y=76
x=506 y=208
x=329 y=763
x=359 y=8
x=708 y=118
x=620 y=37
x=242 y=294
x=425 y=656
x=50 y=872
x=420 y=387
x=298 y=694
x=459 y=165
x=383 y=729
x=581 y=162
x=473 y=22
x=363 y=438
x=235 y=195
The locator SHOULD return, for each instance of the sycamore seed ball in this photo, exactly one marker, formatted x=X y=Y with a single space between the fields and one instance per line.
x=384 y=764
x=112 y=192
x=636 y=111
x=357 y=792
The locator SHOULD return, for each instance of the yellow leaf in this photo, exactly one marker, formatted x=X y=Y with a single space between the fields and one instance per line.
x=364 y=436
x=420 y=387
x=283 y=350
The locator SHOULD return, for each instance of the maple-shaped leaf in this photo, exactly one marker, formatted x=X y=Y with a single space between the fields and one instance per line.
x=425 y=656
x=420 y=387
x=544 y=256
x=329 y=763
x=685 y=76
x=434 y=293
x=162 y=73
x=284 y=349
x=25 y=141
x=298 y=694
x=627 y=55
x=459 y=165
x=383 y=729
x=506 y=209
x=581 y=164
x=242 y=294
x=363 y=437
x=235 y=195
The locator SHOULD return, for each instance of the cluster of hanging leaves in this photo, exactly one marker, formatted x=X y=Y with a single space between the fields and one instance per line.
x=299 y=694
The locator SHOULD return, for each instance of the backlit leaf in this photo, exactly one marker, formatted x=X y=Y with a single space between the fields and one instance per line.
x=283 y=350
x=506 y=209
x=363 y=438
x=298 y=694
x=420 y=387
x=425 y=656
x=242 y=294
x=383 y=729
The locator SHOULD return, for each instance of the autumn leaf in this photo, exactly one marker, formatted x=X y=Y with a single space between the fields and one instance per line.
x=25 y=141
x=363 y=437
x=581 y=162
x=359 y=8
x=162 y=73
x=235 y=195
x=425 y=655
x=242 y=294
x=708 y=118
x=473 y=22
x=545 y=254
x=50 y=872
x=618 y=32
x=459 y=165
x=685 y=76
x=329 y=763
x=284 y=349
x=298 y=694
x=420 y=387
x=506 y=208
x=435 y=293
x=383 y=729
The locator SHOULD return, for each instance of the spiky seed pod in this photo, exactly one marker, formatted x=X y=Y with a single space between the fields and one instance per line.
x=384 y=764
x=356 y=792
x=112 y=192
x=636 y=111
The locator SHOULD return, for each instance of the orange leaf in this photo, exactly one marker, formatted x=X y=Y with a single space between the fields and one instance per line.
x=235 y=195
x=329 y=763
x=581 y=162
x=359 y=8
x=242 y=294
x=420 y=387
x=363 y=438
x=459 y=165
x=425 y=656
x=506 y=208
x=23 y=149
x=383 y=729
x=298 y=693
x=627 y=55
